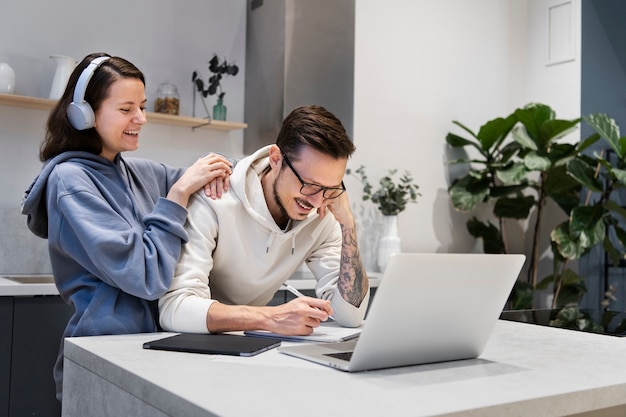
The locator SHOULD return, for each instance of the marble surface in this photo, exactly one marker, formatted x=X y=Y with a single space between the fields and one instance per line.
x=525 y=370
x=27 y=285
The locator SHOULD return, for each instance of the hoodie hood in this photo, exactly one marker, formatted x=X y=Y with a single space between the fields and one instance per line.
x=246 y=184
x=34 y=202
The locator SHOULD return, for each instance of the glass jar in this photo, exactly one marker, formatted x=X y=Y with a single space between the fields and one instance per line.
x=167 y=100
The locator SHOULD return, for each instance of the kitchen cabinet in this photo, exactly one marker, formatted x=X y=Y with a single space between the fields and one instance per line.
x=32 y=329
x=159 y=118
x=6 y=330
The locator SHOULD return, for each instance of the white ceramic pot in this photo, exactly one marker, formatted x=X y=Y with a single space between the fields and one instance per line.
x=7 y=79
x=389 y=243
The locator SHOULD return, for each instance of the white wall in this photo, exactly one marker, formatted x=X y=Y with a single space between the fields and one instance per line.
x=421 y=64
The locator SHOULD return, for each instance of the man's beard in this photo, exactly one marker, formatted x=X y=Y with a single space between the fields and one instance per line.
x=278 y=202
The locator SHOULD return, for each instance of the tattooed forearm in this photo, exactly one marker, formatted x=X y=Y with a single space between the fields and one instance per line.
x=353 y=282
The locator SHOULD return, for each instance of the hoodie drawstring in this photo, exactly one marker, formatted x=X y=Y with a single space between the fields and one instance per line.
x=271 y=239
x=269 y=242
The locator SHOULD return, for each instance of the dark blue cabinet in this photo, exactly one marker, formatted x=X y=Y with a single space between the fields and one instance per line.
x=32 y=328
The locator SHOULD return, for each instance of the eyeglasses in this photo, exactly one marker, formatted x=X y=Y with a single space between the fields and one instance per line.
x=312 y=189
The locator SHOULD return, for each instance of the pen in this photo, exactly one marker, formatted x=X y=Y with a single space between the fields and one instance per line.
x=298 y=294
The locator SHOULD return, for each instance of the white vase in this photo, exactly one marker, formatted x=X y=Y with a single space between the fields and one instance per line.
x=389 y=243
x=65 y=66
x=7 y=79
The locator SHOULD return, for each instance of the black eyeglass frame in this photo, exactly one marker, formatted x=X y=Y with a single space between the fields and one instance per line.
x=320 y=188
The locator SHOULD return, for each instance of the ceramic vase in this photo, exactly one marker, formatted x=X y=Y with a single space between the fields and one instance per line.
x=219 y=110
x=64 y=67
x=7 y=79
x=389 y=243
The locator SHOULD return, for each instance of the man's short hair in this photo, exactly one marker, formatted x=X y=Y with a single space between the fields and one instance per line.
x=316 y=127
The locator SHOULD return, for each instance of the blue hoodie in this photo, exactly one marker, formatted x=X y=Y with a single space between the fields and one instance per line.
x=114 y=240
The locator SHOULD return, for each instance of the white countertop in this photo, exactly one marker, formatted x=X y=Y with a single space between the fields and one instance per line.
x=525 y=370
x=27 y=285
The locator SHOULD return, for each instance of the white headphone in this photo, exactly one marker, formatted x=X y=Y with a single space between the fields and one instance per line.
x=79 y=112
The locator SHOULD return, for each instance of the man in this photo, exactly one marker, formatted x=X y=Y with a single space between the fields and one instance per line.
x=287 y=206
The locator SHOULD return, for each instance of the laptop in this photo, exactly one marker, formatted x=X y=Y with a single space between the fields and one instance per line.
x=427 y=308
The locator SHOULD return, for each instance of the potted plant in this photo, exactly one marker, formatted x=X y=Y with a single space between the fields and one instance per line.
x=219 y=70
x=391 y=198
x=521 y=166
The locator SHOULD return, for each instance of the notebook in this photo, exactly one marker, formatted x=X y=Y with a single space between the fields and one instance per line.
x=219 y=344
x=427 y=308
x=326 y=332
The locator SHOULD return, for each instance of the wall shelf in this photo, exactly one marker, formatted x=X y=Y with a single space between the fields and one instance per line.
x=160 y=118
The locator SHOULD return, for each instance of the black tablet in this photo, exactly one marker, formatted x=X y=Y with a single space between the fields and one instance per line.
x=218 y=344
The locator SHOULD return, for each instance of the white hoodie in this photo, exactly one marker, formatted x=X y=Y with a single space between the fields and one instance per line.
x=236 y=254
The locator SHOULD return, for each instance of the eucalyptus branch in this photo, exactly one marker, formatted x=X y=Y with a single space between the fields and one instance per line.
x=391 y=197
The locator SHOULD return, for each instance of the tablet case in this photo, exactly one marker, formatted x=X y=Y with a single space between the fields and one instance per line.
x=220 y=344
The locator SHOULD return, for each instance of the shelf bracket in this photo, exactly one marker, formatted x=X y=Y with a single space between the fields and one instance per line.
x=193 y=128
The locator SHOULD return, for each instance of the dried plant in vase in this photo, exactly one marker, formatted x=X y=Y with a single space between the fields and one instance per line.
x=219 y=70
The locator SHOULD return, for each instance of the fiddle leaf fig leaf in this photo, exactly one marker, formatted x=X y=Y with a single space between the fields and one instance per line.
x=514 y=208
x=533 y=116
x=504 y=190
x=492 y=241
x=584 y=174
x=509 y=151
x=467 y=129
x=611 y=251
x=620 y=174
x=495 y=131
x=521 y=296
x=467 y=192
x=587 y=225
x=458 y=142
x=562 y=188
x=558 y=181
x=606 y=127
x=567 y=247
x=587 y=142
x=556 y=129
x=535 y=162
x=513 y=174
x=572 y=290
x=521 y=136
x=621 y=235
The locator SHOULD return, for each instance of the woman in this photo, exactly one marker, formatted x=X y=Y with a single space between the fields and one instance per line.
x=114 y=225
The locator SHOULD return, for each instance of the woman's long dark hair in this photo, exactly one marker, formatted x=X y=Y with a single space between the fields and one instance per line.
x=61 y=136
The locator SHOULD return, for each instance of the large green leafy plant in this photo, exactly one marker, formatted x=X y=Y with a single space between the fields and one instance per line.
x=520 y=165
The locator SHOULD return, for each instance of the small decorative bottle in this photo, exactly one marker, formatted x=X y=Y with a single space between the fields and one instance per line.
x=219 y=110
x=168 y=100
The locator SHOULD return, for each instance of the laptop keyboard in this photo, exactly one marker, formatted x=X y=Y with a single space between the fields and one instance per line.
x=346 y=356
